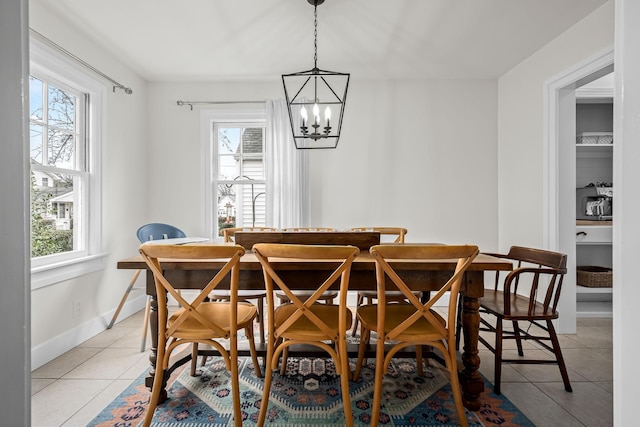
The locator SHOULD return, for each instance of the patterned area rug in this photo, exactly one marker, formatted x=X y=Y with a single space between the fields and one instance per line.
x=308 y=394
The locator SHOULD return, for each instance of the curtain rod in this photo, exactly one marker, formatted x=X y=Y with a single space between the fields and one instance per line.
x=192 y=103
x=126 y=90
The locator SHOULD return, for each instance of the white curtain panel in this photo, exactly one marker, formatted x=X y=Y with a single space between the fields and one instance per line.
x=288 y=200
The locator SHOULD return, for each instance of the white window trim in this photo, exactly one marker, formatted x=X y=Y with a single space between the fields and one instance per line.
x=45 y=61
x=207 y=120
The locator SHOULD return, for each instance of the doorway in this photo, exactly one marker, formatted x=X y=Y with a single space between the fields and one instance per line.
x=560 y=170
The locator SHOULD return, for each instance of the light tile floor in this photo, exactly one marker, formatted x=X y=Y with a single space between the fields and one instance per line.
x=72 y=389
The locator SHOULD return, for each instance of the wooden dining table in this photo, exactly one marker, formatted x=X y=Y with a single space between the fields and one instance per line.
x=419 y=275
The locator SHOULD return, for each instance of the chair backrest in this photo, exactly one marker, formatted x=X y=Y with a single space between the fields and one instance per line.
x=539 y=272
x=158 y=231
x=388 y=278
x=338 y=259
x=228 y=233
x=229 y=255
x=397 y=232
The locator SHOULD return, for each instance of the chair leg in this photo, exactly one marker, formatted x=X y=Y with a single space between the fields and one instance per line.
x=457 y=392
x=252 y=349
x=345 y=373
x=158 y=381
x=558 y=352
x=285 y=356
x=377 y=384
x=261 y=318
x=459 y=320
x=194 y=358
x=419 y=359
x=124 y=298
x=498 y=358
x=268 y=377
x=359 y=302
x=364 y=340
x=145 y=324
x=516 y=333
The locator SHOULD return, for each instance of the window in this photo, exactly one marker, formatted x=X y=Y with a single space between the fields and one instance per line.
x=65 y=152
x=236 y=187
x=240 y=175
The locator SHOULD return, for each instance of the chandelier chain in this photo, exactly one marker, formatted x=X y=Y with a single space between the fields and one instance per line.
x=315 y=36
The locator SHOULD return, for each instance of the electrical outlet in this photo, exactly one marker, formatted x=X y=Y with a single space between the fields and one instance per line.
x=76 y=310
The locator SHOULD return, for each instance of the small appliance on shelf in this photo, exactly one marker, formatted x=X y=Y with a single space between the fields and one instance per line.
x=595 y=202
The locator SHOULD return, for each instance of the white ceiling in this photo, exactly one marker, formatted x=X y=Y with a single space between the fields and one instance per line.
x=199 y=40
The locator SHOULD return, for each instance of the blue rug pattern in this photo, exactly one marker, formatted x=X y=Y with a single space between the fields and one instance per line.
x=308 y=394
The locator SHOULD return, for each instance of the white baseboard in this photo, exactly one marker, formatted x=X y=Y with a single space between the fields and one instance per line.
x=56 y=346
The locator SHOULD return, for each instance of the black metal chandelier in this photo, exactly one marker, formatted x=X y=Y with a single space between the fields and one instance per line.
x=316 y=100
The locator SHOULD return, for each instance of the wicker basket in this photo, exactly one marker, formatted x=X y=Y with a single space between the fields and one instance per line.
x=594 y=277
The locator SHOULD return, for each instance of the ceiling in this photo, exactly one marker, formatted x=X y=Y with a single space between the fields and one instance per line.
x=202 y=40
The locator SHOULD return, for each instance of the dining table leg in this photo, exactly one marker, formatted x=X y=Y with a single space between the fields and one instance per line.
x=470 y=379
x=153 y=351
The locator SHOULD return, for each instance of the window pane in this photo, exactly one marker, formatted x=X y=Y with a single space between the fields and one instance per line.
x=35 y=98
x=241 y=205
x=228 y=140
x=253 y=168
x=36 y=132
x=228 y=168
x=61 y=149
x=52 y=213
x=61 y=109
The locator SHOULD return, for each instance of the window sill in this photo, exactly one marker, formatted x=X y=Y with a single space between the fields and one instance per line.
x=54 y=273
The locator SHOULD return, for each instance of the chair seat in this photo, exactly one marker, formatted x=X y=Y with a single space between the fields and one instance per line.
x=329 y=314
x=217 y=313
x=396 y=314
x=493 y=302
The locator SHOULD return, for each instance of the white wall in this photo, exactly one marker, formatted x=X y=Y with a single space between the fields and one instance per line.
x=520 y=127
x=124 y=202
x=419 y=154
x=521 y=138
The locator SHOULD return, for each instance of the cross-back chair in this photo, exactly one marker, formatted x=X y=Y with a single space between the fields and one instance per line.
x=304 y=320
x=152 y=231
x=530 y=293
x=244 y=295
x=327 y=297
x=401 y=325
x=367 y=297
x=229 y=233
x=199 y=321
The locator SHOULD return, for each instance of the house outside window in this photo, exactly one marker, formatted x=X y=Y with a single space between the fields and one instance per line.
x=65 y=153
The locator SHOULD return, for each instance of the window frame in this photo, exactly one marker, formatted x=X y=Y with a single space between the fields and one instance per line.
x=209 y=119
x=48 y=64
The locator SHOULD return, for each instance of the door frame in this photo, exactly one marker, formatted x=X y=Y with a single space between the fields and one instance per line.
x=559 y=169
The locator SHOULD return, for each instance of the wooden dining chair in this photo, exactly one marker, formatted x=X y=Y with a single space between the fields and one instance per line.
x=327 y=297
x=199 y=321
x=305 y=321
x=401 y=325
x=368 y=297
x=244 y=295
x=229 y=233
x=530 y=294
